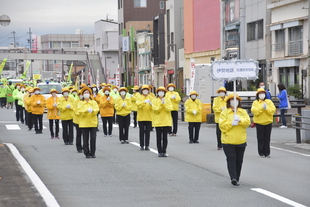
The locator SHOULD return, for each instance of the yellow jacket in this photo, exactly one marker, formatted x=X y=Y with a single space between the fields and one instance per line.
x=66 y=113
x=26 y=100
x=76 y=116
x=106 y=107
x=52 y=111
x=120 y=110
x=161 y=112
x=87 y=119
x=262 y=116
x=145 y=111
x=219 y=105
x=234 y=135
x=190 y=106
x=35 y=107
x=175 y=101
x=134 y=98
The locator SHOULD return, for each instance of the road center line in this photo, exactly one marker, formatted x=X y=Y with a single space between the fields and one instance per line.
x=302 y=154
x=277 y=197
x=47 y=196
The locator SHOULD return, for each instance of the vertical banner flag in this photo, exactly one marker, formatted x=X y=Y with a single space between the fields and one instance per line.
x=192 y=75
x=2 y=65
x=25 y=71
x=69 y=74
x=82 y=81
x=90 y=80
x=136 y=80
x=165 y=74
x=77 y=81
x=153 y=73
x=117 y=81
x=97 y=78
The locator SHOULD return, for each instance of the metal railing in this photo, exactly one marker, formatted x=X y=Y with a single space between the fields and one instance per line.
x=295 y=48
x=297 y=120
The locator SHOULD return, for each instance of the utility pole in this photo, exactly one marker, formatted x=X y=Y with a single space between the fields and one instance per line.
x=14 y=40
x=30 y=45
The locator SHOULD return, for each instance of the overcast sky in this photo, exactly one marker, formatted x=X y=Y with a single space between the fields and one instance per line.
x=52 y=17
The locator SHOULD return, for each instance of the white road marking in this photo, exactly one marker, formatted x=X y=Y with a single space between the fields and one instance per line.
x=302 y=154
x=138 y=145
x=277 y=197
x=12 y=127
x=44 y=127
x=48 y=198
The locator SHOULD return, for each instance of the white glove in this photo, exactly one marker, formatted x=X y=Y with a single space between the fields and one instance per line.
x=38 y=102
x=124 y=104
x=234 y=123
x=236 y=118
x=55 y=104
x=108 y=98
x=265 y=106
x=194 y=112
x=163 y=101
x=90 y=110
x=173 y=96
x=223 y=108
x=68 y=106
x=130 y=95
x=94 y=95
x=147 y=101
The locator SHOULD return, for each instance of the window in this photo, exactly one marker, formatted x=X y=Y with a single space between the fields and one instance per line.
x=66 y=44
x=98 y=42
x=255 y=30
x=295 y=46
x=75 y=44
x=140 y=3
x=280 y=39
x=56 y=45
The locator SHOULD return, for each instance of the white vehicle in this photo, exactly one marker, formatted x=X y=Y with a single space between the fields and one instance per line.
x=46 y=88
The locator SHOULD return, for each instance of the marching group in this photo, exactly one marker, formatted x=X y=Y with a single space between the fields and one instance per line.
x=79 y=108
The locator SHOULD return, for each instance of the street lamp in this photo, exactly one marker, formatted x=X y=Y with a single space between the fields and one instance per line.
x=105 y=67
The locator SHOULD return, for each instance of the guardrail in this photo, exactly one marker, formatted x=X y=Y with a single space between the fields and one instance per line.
x=298 y=126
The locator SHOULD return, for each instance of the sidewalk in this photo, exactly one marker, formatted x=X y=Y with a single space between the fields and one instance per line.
x=15 y=190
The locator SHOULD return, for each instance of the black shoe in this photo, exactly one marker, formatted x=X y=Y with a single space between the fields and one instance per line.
x=191 y=142
x=134 y=126
x=160 y=154
x=22 y=122
x=235 y=182
x=87 y=156
x=93 y=156
x=122 y=142
x=196 y=141
x=29 y=129
x=80 y=151
x=70 y=143
x=37 y=132
x=164 y=155
x=66 y=143
x=147 y=149
x=141 y=148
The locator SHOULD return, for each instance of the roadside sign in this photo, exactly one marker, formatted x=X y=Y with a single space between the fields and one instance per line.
x=36 y=76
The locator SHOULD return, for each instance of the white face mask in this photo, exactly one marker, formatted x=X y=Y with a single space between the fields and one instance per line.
x=23 y=89
x=145 y=91
x=37 y=92
x=193 y=96
x=262 y=87
x=261 y=96
x=74 y=93
x=232 y=102
x=65 y=93
x=18 y=87
x=81 y=96
x=171 y=88
x=221 y=94
x=161 y=93
x=94 y=89
x=107 y=92
x=115 y=90
x=86 y=95
x=123 y=93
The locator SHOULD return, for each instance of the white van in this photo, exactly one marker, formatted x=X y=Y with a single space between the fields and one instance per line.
x=46 y=88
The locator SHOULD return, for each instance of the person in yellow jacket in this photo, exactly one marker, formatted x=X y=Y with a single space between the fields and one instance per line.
x=263 y=110
x=19 y=97
x=144 y=117
x=53 y=113
x=29 y=108
x=76 y=121
x=193 y=115
x=134 y=107
x=88 y=110
x=106 y=106
x=175 y=99
x=25 y=97
x=219 y=105
x=65 y=106
x=114 y=94
x=233 y=126
x=162 y=120
x=123 y=109
x=38 y=104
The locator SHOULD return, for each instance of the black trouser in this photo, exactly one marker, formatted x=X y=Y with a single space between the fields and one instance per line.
x=234 y=156
x=105 y=121
x=18 y=108
x=191 y=127
x=123 y=125
x=115 y=121
x=67 y=130
x=144 y=133
x=174 y=115
x=38 y=125
x=263 y=139
x=26 y=117
x=135 y=118
x=218 y=136
x=89 y=135
x=51 y=122
x=162 y=139
x=2 y=102
x=283 y=119
x=78 y=139
x=30 y=120
x=21 y=113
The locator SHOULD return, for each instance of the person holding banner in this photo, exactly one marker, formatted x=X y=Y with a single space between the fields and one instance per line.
x=53 y=113
x=263 y=110
x=175 y=99
x=233 y=125
x=219 y=105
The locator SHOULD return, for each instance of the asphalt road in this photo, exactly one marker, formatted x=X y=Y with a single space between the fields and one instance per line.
x=192 y=175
